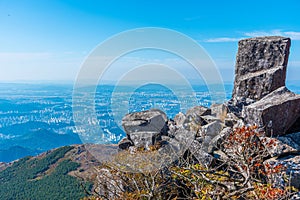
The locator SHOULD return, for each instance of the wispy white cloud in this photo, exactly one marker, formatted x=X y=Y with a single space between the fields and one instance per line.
x=294 y=35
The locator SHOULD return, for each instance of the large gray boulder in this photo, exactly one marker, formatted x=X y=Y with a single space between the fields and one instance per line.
x=183 y=143
x=200 y=154
x=208 y=132
x=260 y=67
x=276 y=113
x=146 y=127
x=174 y=148
x=182 y=140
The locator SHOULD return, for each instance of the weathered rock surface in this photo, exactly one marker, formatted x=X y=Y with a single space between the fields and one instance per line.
x=145 y=128
x=295 y=127
x=150 y=120
x=260 y=66
x=219 y=110
x=179 y=119
x=295 y=137
x=283 y=145
x=182 y=140
x=230 y=120
x=208 y=132
x=174 y=148
x=193 y=120
x=198 y=111
x=204 y=158
x=276 y=113
x=215 y=143
x=171 y=128
x=209 y=119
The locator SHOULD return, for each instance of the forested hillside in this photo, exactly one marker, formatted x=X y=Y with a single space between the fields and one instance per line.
x=43 y=177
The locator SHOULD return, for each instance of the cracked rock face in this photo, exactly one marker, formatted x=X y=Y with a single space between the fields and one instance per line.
x=276 y=113
x=260 y=66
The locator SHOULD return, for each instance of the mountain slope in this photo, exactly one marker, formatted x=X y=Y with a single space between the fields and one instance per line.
x=51 y=175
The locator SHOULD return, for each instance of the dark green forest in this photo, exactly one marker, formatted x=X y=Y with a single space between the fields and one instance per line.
x=34 y=178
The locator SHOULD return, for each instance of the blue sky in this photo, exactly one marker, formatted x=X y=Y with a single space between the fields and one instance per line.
x=49 y=39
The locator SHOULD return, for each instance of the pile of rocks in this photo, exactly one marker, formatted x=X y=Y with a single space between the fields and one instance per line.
x=259 y=97
x=197 y=131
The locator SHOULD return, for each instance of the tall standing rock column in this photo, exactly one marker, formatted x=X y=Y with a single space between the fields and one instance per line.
x=260 y=67
x=259 y=95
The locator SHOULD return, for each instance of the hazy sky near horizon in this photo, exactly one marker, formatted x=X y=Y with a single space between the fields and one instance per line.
x=50 y=39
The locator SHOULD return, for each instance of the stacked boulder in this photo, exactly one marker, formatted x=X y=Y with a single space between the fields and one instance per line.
x=143 y=129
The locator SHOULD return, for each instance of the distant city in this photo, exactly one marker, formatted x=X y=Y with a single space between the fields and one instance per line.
x=38 y=117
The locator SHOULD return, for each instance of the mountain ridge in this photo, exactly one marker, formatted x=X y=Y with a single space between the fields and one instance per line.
x=62 y=173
